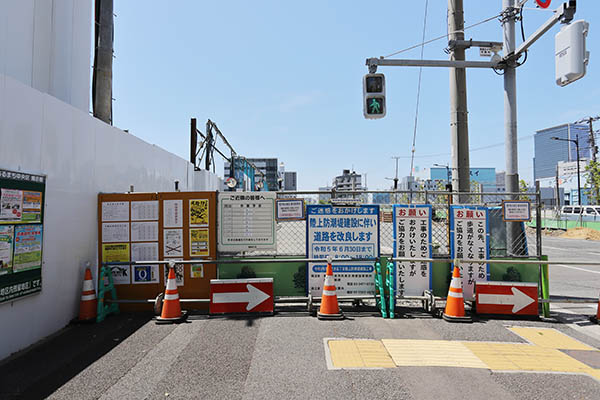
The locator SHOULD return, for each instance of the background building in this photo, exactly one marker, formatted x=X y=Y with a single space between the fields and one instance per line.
x=289 y=181
x=555 y=161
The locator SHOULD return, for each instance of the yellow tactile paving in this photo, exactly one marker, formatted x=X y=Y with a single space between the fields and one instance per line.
x=550 y=338
x=431 y=353
x=524 y=357
x=359 y=354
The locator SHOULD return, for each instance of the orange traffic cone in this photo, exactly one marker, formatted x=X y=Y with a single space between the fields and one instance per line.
x=329 y=303
x=171 y=309
x=89 y=303
x=455 y=307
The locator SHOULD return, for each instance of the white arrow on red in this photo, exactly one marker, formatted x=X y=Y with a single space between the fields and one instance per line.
x=253 y=297
x=518 y=299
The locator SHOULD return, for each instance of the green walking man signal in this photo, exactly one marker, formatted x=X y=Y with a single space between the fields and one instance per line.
x=374 y=96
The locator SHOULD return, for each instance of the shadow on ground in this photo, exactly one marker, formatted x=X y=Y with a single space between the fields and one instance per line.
x=38 y=371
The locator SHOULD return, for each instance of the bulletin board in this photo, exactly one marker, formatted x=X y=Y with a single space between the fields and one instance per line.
x=22 y=199
x=158 y=226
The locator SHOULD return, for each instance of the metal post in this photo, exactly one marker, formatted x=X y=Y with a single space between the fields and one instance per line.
x=538 y=219
x=578 y=177
x=193 y=142
x=510 y=122
x=459 y=126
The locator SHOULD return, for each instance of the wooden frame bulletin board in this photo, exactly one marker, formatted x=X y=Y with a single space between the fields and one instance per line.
x=163 y=226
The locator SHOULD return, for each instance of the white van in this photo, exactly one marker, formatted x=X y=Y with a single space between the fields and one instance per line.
x=587 y=213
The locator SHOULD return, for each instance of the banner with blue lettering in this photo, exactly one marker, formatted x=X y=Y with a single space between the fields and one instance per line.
x=469 y=240
x=343 y=232
x=412 y=239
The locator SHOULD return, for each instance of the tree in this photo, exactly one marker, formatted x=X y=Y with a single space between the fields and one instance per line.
x=523 y=188
x=593 y=181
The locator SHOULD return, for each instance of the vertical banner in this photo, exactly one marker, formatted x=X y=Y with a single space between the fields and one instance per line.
x=412 y=239
x=343 y=232
x=469 y=239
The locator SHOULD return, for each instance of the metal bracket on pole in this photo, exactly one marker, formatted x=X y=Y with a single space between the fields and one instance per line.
x=431 y=63
x=564 y=14
x=465 y=44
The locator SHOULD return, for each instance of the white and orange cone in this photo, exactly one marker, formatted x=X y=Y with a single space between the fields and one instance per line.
x=89 y=303
x=455 y=306
x=330 y=308
x=171 y=308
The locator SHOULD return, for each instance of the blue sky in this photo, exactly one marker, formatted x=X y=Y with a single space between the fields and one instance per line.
x=284 y=79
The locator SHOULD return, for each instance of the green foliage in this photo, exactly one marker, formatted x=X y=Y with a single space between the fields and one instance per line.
x=593 y=181
x=523 y=189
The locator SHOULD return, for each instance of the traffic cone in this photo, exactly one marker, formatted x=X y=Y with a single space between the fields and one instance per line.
x=89 y=303
x=171 y=309
x=329 y=303
x=455 y=307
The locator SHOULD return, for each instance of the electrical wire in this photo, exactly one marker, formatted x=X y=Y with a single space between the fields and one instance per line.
x=418 y=95
x=442 y=37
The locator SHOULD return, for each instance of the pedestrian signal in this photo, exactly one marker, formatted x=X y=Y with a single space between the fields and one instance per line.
x=374 y=96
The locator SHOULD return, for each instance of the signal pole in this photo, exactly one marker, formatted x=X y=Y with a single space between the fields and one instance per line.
x=459 y=123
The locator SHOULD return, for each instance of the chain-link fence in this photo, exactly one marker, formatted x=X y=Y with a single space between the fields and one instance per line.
x=507 y=239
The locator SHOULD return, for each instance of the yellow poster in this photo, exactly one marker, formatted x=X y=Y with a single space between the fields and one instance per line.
x=199 y=212
x=115 y=252
x=198 y=242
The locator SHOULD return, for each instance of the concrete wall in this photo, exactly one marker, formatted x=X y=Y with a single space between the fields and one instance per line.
x=81 y=156
x=46 y=44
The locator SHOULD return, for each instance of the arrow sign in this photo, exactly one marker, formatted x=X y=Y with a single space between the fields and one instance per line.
x=506 y=298
x=253 y=297
x=241 y=295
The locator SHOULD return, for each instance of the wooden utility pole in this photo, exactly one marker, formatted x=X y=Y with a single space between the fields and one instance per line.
x=103 y=56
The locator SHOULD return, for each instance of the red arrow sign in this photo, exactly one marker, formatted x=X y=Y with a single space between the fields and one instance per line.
x=512 y=298
x=241 y=295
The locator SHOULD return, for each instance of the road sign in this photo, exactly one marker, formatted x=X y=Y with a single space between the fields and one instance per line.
x=253 y=295
x=230 y=182
x=543 y=3
x=512 y=298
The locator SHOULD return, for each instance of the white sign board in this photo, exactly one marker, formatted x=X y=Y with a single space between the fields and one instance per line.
x=469 y=240
x=412 y=239
x=246 y=221
x=290 y=209
x=516 y=210
x=343 y=232
x=569 y=168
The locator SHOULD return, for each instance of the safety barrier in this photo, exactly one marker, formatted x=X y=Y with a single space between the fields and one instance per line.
x=385 y=296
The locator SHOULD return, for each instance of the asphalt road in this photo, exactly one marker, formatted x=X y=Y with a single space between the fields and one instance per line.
x=279 y=357
x=573 y=280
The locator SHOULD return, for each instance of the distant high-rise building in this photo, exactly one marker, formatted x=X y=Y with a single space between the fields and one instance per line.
x=289 y=181
x=548 y=152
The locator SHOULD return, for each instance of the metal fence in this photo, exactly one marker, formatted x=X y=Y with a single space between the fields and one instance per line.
x=525 y=242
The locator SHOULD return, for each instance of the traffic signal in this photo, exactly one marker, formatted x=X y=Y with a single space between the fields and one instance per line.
x=374 y=96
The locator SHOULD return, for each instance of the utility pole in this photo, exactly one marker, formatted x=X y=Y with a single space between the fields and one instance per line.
x=103 y=51
x=513 y=230
x=459 y=124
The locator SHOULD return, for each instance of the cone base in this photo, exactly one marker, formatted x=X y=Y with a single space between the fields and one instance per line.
x=450 y=318
x=330 y=316
x=176 y=320
x=595 y=319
